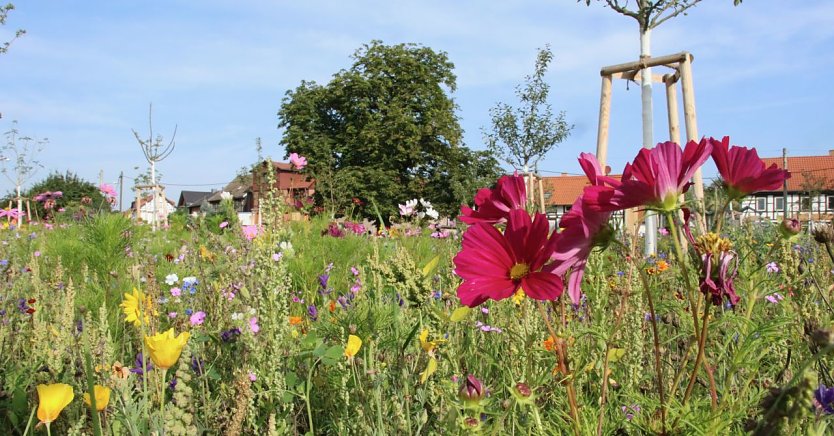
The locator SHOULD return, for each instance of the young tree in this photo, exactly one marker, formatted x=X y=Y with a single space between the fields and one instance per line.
x=649 y=14
x=155 y=151
x=522 y=136
x=383 y=131
x=19 y=159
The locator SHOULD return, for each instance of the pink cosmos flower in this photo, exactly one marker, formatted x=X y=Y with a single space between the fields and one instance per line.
x=107 y=190
x=176 y=292
x=495 y=265
x=250 y=232
x=655 y=180
x=584 y=229
x=493 y=205
x=718 y=279
x=299 y=162
x=742 y=170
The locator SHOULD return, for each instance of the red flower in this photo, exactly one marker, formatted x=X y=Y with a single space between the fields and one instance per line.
x=742 y=170
x=656 y=179
x=584 y=229
x=494 y=205
x=495 y=265
x=32 y=301
x=30 y=311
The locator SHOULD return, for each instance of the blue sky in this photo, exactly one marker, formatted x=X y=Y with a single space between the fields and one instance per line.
x=84 y=74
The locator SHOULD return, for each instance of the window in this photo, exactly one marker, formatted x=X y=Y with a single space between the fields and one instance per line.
x=831 y=202
x=761 y=204
x=778 y=203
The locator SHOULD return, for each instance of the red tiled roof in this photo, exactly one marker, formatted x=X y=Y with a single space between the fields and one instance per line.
x=807 y=170
x=563 y=189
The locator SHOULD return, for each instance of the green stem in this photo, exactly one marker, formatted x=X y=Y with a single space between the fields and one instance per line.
x=563 y=367
x=48 y=431
x=657 y=365
x=307 y=389
x=162 y=395
x=700 y=356
x=682 y=260
x=29 y=423
x=719 y=218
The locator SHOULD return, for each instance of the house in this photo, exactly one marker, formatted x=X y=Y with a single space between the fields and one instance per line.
x=190 y=201
x=810 y=191
x=240 y=190
x=560 y=192
x=289 y=183
x=164 y=207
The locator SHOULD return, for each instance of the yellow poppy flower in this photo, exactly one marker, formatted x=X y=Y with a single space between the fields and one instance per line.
x=353 y=346
x=52 y=400
x=102 y=397
x=165 y=348
x=427 y=345
x=135 y=305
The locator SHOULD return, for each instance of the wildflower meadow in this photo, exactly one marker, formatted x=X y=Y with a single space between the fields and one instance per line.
x=489 y=322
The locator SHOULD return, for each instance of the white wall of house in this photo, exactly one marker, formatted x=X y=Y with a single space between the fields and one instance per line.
x=770 y=206
x=164 y=208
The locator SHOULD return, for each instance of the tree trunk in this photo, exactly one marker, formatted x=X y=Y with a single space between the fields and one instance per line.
x=648 y=134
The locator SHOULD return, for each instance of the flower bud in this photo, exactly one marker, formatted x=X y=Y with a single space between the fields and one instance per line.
x=472 y=390
x=790 y=227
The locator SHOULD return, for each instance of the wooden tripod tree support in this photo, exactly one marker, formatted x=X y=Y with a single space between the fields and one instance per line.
x=681 y=64
x=156 y=190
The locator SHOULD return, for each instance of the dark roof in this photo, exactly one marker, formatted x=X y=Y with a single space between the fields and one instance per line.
x=238 y=187
x=192 y=198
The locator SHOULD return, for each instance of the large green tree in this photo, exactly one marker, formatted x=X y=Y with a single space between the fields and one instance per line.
x=385 y=131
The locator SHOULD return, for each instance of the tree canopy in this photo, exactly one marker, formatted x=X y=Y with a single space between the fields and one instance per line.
x=385 y=131
x=73 y=188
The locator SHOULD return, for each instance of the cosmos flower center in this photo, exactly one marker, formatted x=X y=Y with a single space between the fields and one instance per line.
x=519 y=270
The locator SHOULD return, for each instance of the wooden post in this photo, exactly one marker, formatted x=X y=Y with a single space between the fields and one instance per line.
x=137 y=205
x=672 y=108
x=541 y=195
x=690 y=117
x=28 y=210
x=604 y=119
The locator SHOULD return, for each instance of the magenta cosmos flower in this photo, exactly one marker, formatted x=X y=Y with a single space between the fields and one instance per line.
x=494 y=205
x=656 y=179
x=299 y=162
x=583 y=229
x=742 y=170
x=495 y=265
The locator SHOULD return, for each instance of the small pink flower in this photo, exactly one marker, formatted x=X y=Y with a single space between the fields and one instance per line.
x=297 y=161
x=176 y=292
x=224 y=224
x=354 y=271
x=277 y=256
x=172 y=315
x=253 y=325
x=37 y=254
x=198 y=318
x=252 y=376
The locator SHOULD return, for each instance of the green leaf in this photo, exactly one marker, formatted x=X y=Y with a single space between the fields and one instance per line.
x=615 y=354
x=410 y=337
x=431 y=266
x=460 y=314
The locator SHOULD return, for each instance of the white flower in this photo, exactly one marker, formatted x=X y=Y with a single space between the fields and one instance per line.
x=425 y=204
x=286 y=248
x=171 y=279
x=237 y=316
x=252 y=311
x=433 y=214
x=225 y=195
x=411 y=203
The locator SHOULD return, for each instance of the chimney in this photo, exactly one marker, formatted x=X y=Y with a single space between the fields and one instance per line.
x=831 y=152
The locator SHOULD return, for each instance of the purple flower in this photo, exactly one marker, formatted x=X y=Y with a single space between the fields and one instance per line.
x=629 y=411
x=824 y=397
x=343 y=301
x=277 y=256
x=198 y=318
x=774 y=297
x=313 y=312
x=230 y=335
x=772 y=267
x=137 y=369
x=354 y=271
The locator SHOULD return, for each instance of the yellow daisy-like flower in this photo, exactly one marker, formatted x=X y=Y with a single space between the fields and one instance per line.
x=165 y=348
x=138 y=308
x=52 y=399
x=102 y=394
x=354 y=343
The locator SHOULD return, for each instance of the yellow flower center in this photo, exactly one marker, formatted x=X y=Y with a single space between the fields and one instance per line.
x=519 y=270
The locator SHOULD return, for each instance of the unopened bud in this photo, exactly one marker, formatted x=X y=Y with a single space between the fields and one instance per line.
x=790 y=227
x=472 y=390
